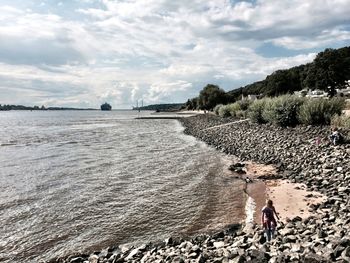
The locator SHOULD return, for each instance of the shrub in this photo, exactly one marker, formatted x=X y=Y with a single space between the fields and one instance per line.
x=283 y=110
x=217 y=108
x=255 y=111
x=320 y=111
x=244 y=104
x=241 y=114
x=224 y=111
x=233 y=108
x=267 y=112
x=229 y=110
x=341 y=121
x=347 y=104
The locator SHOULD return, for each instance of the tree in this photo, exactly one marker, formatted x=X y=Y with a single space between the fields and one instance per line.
x=210 y=96
x=330 y=70
x=192 y=104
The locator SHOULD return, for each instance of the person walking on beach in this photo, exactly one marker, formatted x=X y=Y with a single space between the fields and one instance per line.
x=268 y=219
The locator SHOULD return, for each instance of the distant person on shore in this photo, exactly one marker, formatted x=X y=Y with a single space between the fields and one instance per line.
x=268 y=219
x=335 y=137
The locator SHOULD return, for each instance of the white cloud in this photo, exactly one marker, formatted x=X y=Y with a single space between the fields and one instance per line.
x=326 y=37
x=164 y=90
x=160 y=50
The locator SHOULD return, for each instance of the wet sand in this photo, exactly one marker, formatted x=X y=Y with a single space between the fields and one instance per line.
x=290 y=199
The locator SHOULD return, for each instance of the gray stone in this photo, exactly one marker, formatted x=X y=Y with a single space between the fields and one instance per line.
x=76 y=260
x=346 y=254
x=313 y=258
x=178 y=259
x=219 y=244
x=93 y=259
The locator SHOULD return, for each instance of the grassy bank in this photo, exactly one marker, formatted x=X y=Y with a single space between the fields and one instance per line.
x=288 y=111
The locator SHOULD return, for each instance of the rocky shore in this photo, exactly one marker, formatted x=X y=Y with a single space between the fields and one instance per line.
x=301 y=154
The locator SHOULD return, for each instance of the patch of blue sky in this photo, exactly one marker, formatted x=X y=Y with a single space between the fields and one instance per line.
x=190 y=46
x=20 y=4
x=133 y=62
x=269 y=50
x=63 y=8
x=68 y=9
x=346 y=27
x=233 y=2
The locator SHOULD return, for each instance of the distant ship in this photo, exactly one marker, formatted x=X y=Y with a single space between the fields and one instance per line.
x=106 y=106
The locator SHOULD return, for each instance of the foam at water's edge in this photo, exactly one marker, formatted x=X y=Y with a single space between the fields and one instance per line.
x=249 y=211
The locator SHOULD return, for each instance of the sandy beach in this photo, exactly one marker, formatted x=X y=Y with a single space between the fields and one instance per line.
x=290 y=199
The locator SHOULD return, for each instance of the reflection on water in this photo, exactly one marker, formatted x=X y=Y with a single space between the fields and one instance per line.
x=74 y=181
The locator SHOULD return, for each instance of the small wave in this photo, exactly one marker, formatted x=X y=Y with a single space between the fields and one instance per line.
x=71 y=142
x=9 y=143
x=62 y=144
x=250 y=210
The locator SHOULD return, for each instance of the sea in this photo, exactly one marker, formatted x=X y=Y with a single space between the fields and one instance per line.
x=81 y=181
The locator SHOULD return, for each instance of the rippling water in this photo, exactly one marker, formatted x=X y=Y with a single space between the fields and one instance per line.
x=75 y=181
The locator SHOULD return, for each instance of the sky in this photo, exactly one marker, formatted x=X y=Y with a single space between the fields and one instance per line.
x=81 y=53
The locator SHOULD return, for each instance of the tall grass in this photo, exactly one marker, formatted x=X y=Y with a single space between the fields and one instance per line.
x=217 y=108
x=286 y=110
x=224 y=111
x=244 y=104
x=230 y=110
x=234 y=108
x=341 y=121
x=255 y=111
x=283 y=110
x=320 y=111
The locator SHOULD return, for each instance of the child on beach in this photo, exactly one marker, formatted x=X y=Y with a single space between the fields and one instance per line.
x=335 y=137
x=268 y=219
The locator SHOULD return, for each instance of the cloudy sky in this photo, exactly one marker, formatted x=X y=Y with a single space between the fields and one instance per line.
x=81 y=53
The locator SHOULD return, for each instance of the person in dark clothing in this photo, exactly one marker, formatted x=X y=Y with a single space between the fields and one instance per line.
x=336 y=136
x=268 y=219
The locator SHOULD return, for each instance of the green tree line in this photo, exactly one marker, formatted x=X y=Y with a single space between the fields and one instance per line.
x=330 y=70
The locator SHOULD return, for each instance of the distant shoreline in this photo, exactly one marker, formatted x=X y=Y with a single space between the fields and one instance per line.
x=26 y=108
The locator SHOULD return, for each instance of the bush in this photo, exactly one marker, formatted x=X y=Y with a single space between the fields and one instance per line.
x=217 y=108
x=283 y=110
x=229 y=110
x=341 y=121
x=347 y=104
x=289 y=110
x=233 y=108
x=241 y=114
x=255 y=111
x=224 y=111
x=267 y=111
x=320 y=111
x=244 y=104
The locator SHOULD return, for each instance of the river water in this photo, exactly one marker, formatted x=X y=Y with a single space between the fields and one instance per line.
x=79 y=181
